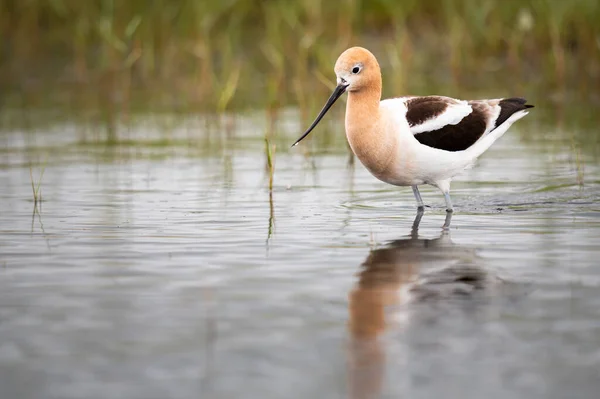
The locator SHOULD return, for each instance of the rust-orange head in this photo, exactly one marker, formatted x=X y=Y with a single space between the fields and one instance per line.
x=356 y=70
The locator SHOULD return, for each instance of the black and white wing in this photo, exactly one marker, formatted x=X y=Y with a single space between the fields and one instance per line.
x=455 y=125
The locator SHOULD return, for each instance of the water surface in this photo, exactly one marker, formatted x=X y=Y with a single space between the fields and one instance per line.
x=155 y=271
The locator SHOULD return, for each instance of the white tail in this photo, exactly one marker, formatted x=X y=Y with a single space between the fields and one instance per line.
x=486 y=141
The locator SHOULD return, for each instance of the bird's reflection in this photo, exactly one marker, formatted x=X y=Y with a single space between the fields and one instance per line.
x=408 y=269
x=394 y=274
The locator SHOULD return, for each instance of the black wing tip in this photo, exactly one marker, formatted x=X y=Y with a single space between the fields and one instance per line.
x=509 y=106
x=519 y=101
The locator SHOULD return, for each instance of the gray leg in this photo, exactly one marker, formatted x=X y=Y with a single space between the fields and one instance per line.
x=446 y=225
x=414 y=232
x=444 y=186
x=418 y=198
x=448 y=202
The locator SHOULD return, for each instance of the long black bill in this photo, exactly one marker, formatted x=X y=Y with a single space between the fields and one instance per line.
x=337 y=92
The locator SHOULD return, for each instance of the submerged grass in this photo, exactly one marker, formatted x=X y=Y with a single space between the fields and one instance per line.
x=35 y=187
x=270 y=154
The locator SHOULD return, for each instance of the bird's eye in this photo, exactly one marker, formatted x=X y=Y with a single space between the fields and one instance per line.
x=356 y=70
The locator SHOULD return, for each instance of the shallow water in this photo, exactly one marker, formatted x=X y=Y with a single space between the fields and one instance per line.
x=153 y=272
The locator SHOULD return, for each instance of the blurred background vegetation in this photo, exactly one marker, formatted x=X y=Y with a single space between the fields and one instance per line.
x=110 y=59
